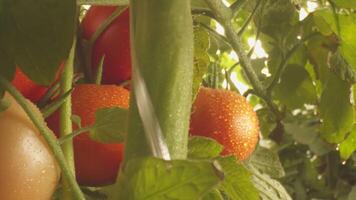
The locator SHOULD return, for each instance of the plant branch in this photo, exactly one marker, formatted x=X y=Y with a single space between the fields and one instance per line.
x=224 y=14
x=284 y=63
x=65 y=117
x=103 y=2
x=247 y=22
x=47 y=135
x=75 y=133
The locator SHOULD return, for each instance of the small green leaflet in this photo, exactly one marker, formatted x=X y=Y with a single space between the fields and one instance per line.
x=155 y=179
x=344 y=27
x=345 y=3
x=110 y=125
x=7 y=67
x=267 y=161
x=201 y=57
x=268 y=188
x=4 y=104
x=237 y=184
x=37 y=36
x=295 y=88
x=348 y=146
x=214 y=195
x=336 y=111
x=341 y=67
x=203 y=147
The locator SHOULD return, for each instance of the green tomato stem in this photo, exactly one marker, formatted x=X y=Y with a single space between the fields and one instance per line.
x=65 y=118
x=162 y=55
x=47 y=135
x=62 y=140
x=223 y=15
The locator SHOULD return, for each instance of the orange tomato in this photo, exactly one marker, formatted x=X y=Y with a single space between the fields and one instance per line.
x=228 y=118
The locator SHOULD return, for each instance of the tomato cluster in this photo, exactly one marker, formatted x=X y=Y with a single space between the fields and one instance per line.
x=222 y=115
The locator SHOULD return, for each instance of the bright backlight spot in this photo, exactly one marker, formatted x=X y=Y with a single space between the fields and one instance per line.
x=258 y=52
x=226 y=3
x=220 y=29
x=233 y=56
x=302 y=14
x=312 y=6
x=240 y=86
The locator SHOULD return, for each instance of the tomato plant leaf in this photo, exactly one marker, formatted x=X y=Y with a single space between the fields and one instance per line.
x=214 y=195
x=37 y=36
x=203 y=147
x=110 y=125
x=4 y=104
x=342 y=68
x=345 y=3
x=268 y=188
x=348 y=146
x=178 y=179
x=295 y=88
x=336 y=110
x=345 y=28
x=201 y=57
x=267 y=161
x=7 y=68
x=237 y=184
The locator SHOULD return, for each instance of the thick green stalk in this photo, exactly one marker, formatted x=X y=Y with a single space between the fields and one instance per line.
x=162 y=53
x=47 y=135
x=65 y=119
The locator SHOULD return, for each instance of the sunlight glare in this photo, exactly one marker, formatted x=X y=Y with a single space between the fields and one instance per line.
x=258 y=52
x=240 y=86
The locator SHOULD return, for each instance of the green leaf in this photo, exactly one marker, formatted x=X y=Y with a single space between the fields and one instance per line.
x=268 y=188
x=344 y=27
x=302 y=131
x=342 y=68
x=267 y=121
x=295 y=88
x=345 y=3
x=336 y=110
x=37 y=36
x=4 y=104
x=348 y=146
x=152 y=178
x=110 y=125
x=199 y=4
x=201 y=57
x=214 y=195
x=267 y=161
x=7 y=67
x=352 y=194
x=77 y=120
x=238 y=181
x=203 y=147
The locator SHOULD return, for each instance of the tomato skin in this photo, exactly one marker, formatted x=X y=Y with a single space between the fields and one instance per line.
x=27 y=87
x=28 y=169
x=228 y=118
x=114 y=43
x=96 y=164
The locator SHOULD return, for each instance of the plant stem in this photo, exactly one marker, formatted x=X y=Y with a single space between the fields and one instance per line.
x=224 y=15
x=65 y=118
x=62 y=140
x=162 y=51
x=47 y=135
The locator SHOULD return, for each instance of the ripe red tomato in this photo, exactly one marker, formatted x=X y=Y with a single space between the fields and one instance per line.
x=28 y=169
x=27 y=87
x=96 y=164
x=228 y=118
x=114 y=43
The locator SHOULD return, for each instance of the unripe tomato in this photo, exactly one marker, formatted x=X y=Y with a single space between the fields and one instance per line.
x=27 y=87
x=228 y=118
x=28 y=169
x=113 y=43
x=96 y=164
